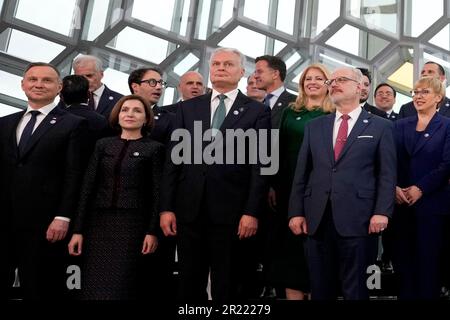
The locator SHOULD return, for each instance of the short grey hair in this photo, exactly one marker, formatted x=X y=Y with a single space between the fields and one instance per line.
x=232 y=50
x=88 y=58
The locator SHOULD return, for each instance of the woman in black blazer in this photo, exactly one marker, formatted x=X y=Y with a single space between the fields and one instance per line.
x=118 y=216
x=422 y=193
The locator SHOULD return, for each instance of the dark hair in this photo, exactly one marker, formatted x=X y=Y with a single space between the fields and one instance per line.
x=75 y=89
x=366 y=72
x=136 y=76
x=384 y=84
x=440 y=68
x=275 y=63
x=114 y=117
x=41 y=64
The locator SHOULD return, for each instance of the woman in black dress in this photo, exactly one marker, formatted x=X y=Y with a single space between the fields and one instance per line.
x=117 y=216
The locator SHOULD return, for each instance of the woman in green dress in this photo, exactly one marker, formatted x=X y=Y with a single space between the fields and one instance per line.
x=290 y=268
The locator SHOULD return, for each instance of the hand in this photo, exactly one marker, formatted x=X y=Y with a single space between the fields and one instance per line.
x=378 y=223
x=57 y=230
x=413 y=194
x=400 y=196
x=272 y=199
x=248 y=225
x=150 y=244
x=298 y=225
x=76 y=244
x=168 y=223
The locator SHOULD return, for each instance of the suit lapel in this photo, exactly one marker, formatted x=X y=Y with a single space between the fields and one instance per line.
x=13 y=143
x=279 y=104
x=103 y=103
x=408 y=133
x=328 y=125
x=49 y=121
x=445 y=106
x=427 y=134
x=204 y=111
x=362 y=122
x=237 y=110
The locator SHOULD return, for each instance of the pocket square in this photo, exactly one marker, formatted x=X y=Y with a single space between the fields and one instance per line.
x=362 y=137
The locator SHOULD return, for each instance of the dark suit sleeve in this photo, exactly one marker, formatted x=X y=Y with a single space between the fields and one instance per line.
x=171 y=171
x=88 y=189
x=156 y=173
x=386 y=172
x=73 y=170
x=302 y=171
x=438 y=177
x=259 y=184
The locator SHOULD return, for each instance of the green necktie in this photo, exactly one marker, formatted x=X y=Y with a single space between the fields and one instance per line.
x=219 y=114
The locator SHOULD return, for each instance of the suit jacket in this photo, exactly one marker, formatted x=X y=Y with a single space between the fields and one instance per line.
x=163 y=126
x=172 y=107
x=408 y=110
x=425 y=162
x=359 y=184
x=225 y=191
x=43 y=182
x=282 y=102
x=393 y=116
x=107 y=101
x=374 y=110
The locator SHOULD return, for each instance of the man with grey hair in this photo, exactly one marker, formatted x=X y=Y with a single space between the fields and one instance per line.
x=101 y=98
x=338 y=212
x=213 y=209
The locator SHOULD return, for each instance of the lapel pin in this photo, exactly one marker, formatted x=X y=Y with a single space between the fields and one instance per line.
x=156 y=117
x=241 y=109
x=279 y=104
x=365 y=121
x=111 y=98
x=53 y=121
x=235 y=112
x=393 y=116
x=136 y=154
x=447 y=104
x=426 y=135
x=298 y=118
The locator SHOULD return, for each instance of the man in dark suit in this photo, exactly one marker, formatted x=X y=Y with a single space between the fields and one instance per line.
x=337 y=211
x=148 y=83
x=430 y=69
x=191 y=85
x=384 y=97
x=253 y=91
x=366 y=82
x=270 y=72
x=41 y=166
x=214 y=208
x=102 y=99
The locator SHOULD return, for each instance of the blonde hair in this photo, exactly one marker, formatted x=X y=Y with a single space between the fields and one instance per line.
x=302 y=99
x=433 y=83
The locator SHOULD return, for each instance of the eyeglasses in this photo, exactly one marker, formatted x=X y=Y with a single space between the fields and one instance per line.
x=423 y=92
x=387 y=93
x=339 y=80
x=153 y=82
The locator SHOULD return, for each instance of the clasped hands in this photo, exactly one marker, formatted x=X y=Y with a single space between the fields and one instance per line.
x=408 y=195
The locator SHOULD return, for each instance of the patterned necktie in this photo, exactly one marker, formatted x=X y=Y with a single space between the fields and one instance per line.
x=27 y=131
x=267 y=100
x=220 y=113
x=341 y=136
x=91 y=101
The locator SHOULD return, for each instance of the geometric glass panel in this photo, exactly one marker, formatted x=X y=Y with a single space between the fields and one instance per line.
x=403 y=77
x=257 y=10
x=11 y=85
x=186 y=64
x=441 y=39
x=6 y=110
x=420 y=15
x=97 y=23
x=158 y=13
x=116 y=80
x=376 y=14
x=285 y=16
x=31 y=48
x=55 y=15
x=328 y=11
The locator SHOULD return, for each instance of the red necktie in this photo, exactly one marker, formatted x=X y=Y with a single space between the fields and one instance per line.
x=91 y=101
x=341 y=136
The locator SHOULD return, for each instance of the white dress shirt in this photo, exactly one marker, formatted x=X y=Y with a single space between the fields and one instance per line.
x=27 y=116
x=275 y=95
x=231 y=96
x=351 y=122
x=98 y=94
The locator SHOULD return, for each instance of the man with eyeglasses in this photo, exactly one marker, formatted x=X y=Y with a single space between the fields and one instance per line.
x=430 y=69
x=385 y=99
x=341 y=213
x=148 y=83
x=365 y=90
x=101 y=98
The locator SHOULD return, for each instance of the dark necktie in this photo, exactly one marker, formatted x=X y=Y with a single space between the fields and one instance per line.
x=341 y=136
x=27 y=131
x=267 y=100
x=91 y=101
x=220 y=113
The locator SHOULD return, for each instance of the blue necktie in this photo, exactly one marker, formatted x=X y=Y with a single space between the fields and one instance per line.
x=27 y=131
x=267 y=100
x=220 y=113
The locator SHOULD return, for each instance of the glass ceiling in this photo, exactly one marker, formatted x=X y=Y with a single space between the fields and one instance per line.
x=179 y=35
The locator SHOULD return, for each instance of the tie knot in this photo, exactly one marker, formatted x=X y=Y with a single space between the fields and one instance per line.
x=345 y=117
x=222 y=97
x=35 y=113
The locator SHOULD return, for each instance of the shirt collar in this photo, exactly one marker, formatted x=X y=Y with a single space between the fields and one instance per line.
x=99 y=91
x=353 y=115
x=230 y=94
x=45 y=110
x=277 y=92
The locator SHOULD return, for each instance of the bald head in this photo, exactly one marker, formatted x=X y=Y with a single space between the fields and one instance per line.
x=191 y=85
